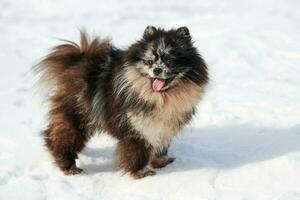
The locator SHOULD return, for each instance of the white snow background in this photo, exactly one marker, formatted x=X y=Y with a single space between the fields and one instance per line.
x=244 y=142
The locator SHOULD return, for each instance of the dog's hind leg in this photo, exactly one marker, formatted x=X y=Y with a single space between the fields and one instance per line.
x=64 y=139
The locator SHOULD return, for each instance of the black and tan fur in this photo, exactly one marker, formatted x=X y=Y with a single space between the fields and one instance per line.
x=97 y=87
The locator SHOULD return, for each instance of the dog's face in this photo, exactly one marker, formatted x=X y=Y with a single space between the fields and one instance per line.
x=165 y=57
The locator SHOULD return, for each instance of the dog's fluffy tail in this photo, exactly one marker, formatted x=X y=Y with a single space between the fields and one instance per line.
x=65 y=57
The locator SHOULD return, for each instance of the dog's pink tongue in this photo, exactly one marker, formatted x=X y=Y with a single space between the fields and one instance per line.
x=158 y=84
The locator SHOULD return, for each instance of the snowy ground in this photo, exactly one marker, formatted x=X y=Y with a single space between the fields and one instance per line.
x=243 y=144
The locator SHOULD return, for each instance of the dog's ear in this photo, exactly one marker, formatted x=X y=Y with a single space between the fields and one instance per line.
x=183 y=31
x=150 y=30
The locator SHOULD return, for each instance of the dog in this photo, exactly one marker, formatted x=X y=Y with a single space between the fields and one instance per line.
x=142 y=96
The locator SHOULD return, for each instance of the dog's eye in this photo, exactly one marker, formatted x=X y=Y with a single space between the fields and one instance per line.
x=169 y=63
x=148 y=62
x=168 y=60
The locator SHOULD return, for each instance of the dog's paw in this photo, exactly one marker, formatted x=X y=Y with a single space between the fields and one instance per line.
x=170 y=160
x=161 y=162
x=142 y=173
x=72 y=171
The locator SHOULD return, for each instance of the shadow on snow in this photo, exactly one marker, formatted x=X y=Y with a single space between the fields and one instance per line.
x=215 y=147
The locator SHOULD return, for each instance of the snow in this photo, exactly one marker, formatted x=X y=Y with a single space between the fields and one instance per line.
x=244 y=142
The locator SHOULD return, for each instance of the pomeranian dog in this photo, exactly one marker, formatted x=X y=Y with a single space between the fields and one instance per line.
x=142 y=96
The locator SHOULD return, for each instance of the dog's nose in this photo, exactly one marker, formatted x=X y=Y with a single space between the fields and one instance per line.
x=157 y=71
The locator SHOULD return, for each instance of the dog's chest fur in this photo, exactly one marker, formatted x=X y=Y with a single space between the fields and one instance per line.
x=173 y=109
x=158 y=127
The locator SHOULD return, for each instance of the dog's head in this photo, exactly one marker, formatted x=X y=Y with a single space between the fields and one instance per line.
x=167 y=58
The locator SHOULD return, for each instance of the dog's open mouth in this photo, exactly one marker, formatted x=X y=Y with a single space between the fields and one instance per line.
x=159 y=84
